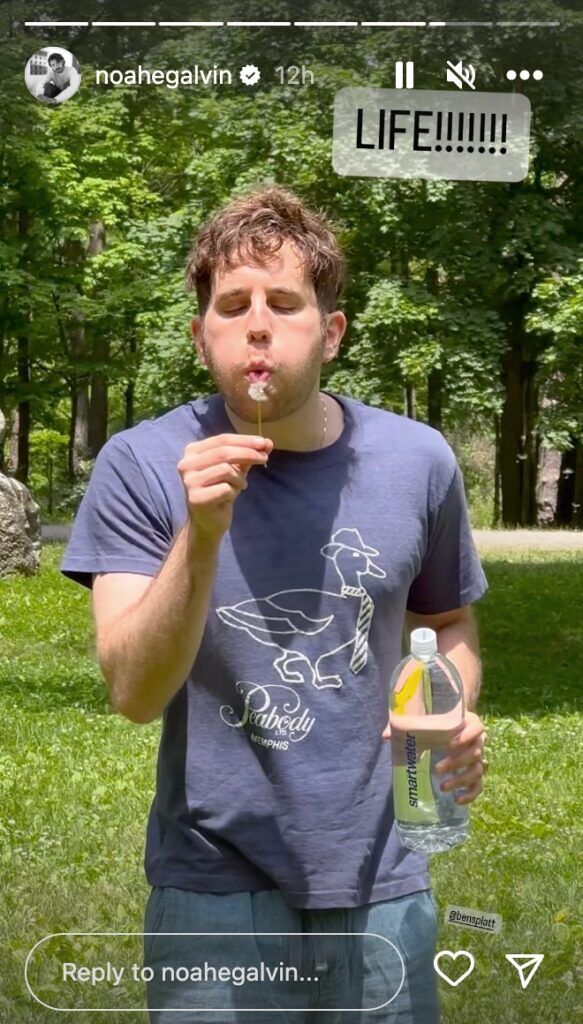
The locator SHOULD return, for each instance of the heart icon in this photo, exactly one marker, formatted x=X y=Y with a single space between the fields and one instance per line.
x=454 y=956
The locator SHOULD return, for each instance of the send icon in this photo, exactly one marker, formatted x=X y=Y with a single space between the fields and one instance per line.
x=527 y=964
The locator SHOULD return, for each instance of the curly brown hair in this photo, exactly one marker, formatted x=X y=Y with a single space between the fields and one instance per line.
x=255 y=226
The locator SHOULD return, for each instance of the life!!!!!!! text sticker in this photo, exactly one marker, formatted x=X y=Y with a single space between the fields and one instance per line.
x=404 y=133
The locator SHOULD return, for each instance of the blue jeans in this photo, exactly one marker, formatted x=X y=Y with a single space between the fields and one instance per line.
x=289 y=976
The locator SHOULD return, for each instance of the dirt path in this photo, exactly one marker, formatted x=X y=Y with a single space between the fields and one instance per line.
x=540 y=540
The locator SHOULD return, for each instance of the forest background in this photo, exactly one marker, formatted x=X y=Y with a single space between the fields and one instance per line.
x=465 y=309
x=464 y=299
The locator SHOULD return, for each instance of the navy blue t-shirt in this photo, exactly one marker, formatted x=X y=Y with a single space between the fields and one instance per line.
x=272 y=772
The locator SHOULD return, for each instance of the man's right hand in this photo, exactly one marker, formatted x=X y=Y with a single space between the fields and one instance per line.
x=214 y=473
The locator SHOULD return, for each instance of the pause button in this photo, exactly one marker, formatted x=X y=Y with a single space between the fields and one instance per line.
x=404 y=74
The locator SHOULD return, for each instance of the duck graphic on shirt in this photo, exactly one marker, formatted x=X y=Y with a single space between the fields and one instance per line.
x=280 y=620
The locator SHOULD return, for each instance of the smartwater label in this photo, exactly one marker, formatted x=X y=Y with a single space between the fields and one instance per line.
x=404 y=133
x=413 y=798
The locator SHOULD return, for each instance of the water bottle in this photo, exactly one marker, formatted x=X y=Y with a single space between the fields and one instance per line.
x=426 y=710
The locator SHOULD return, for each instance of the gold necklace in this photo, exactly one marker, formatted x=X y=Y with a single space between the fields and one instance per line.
x=325 y=420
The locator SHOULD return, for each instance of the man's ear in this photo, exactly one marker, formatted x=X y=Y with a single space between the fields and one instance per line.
x=335 y=328
x=196 y=331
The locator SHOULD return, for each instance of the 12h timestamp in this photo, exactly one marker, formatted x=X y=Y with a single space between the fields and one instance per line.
x=294 y=74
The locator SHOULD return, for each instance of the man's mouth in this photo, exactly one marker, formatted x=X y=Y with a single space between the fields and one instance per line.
x=257 y=375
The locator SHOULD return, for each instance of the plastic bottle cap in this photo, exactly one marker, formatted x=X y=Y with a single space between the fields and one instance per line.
x=423 y=642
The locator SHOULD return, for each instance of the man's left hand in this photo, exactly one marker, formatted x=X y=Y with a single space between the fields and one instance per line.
x=465 y=751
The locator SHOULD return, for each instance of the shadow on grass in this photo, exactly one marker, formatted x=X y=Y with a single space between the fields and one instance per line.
x=47 y=648
x=531 y=637
x=48 y=686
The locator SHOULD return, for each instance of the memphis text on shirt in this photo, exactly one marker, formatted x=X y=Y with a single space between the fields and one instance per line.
x=170 y=77
x=261 y=712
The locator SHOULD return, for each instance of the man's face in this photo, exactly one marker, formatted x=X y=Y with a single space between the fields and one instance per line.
x=57 y=65
x=269 y=315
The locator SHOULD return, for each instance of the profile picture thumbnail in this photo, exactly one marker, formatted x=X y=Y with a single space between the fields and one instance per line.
x=52 y=75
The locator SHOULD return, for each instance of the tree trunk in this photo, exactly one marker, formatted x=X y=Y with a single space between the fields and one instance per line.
x=549 y=469
x=21 y=468
x=410 y=402
x=435 y=377
x=3 y=362
x=129 y=405
x=79 y=434
x=50 y=488
x=79 y=448
x=98 y=410
x=4 y=413
x=3 y=428
x=131 y=386
x=577 y=520
x=570 y=489
x=13 y=441
x=529 y=509
x=497 y=480
x=79 y=431
x=23 y=442
x=434 y=398
x=518 y=466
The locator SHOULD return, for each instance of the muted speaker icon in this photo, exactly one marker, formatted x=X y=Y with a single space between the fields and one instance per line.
x=460 y=75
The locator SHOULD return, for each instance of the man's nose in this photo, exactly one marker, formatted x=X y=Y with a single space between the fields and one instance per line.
x=258 y=322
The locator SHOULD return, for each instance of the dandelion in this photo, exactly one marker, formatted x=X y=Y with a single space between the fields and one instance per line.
x=257 y=393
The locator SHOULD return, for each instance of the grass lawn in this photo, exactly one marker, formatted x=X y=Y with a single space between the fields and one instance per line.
x=76 y=782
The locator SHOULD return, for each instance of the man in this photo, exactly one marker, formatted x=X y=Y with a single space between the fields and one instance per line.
x=60 y=82
x=261 y=610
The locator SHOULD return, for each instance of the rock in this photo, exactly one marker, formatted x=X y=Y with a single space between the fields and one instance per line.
x=20 y=537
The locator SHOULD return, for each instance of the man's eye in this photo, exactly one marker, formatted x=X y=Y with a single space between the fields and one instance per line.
x=233 y=310
x=284 y=309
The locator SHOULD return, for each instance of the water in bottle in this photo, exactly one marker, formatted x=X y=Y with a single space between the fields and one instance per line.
x=426 y=710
